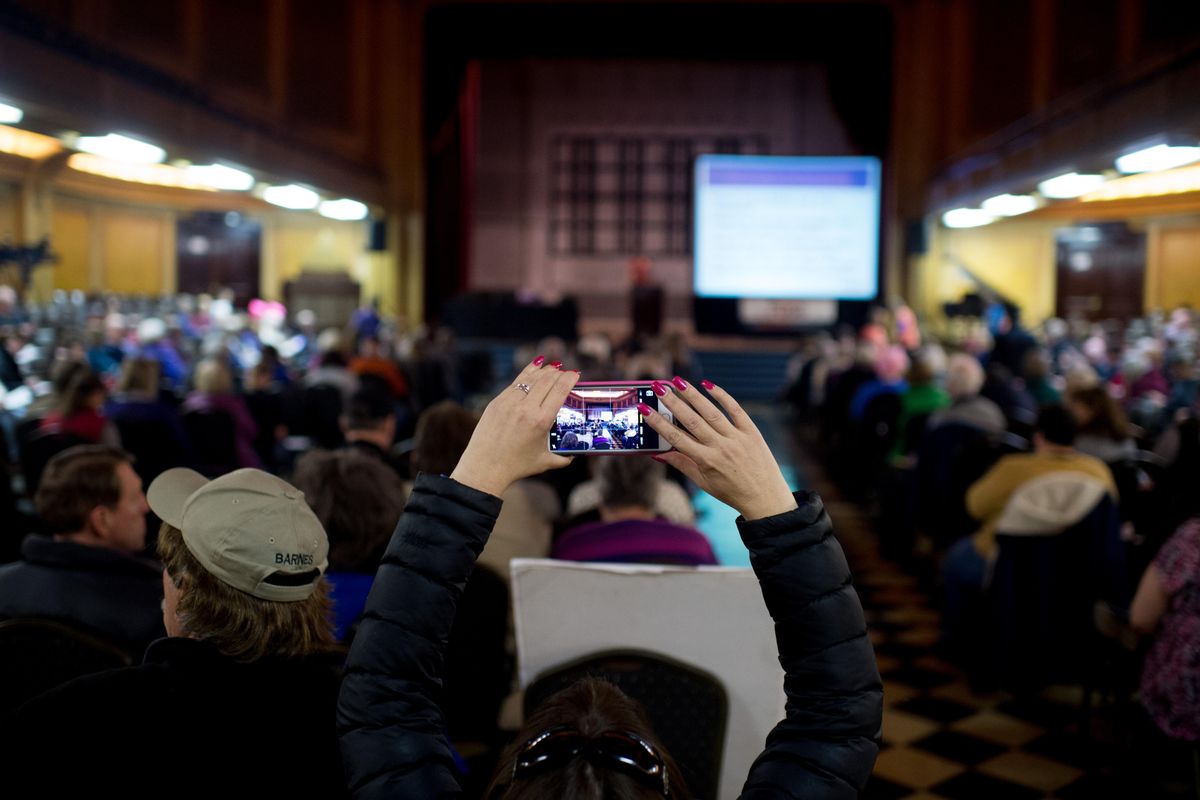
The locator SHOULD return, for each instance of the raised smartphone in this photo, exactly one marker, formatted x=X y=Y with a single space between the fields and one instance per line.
x=602 y=418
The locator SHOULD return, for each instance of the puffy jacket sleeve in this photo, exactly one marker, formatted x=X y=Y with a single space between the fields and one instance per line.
x=391 y=729
x=826 y=745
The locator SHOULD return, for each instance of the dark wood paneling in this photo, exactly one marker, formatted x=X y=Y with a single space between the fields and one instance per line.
x=55 y=12
x=1085 y=42
x=1001 y=64
x=217 y=251
x=1101 y=271
x=152 y=24
x=1169 y=24
x=319 y=63
x=235 y=45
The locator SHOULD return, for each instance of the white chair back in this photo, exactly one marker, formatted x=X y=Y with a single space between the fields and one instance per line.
x=711 y=617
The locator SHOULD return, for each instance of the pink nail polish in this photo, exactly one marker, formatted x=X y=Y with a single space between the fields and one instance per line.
x=645 y=410
x=659 y=388
x=556 y=364
x=679 y=382
x=707 y=384
x=659 y=459
x=537 y=362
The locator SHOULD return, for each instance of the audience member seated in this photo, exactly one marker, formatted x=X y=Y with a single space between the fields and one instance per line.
x=156 y=345
x=60 y=375
x=671 y=502
x=1167 y=606
x=964 y=379
x=248 y=656
x=1036 y=371
x=87 y=572
x=266 y=405
x=370 y=361
x=1150 y=381
x=214 y=393
x=1010 y=341
x=369 y=425
x=1103 y=429
x=891 y=364
x=330 y=368
x=443 y=432
x=1185 y=387
x=1038 y=493
x=591 y=739
x=629 y=529
x=149 y=428
x=358 y=500
x=844 y=383
x=107 y=352
x=276 y=371
x=79 y=411
x=922 y=398
x=1019 y=407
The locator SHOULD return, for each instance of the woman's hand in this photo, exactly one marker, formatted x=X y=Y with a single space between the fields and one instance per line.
x=511 y=440
x=728 y=458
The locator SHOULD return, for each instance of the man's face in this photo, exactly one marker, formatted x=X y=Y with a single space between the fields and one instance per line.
x=125 y=523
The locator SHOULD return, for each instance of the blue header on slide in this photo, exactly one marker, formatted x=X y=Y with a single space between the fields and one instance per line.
x=786 y=176
x=787 y=227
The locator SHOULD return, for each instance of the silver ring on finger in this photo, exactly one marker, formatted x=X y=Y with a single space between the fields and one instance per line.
x=524 y=387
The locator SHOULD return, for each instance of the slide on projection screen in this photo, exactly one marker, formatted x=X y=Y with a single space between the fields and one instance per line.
x=787 y=227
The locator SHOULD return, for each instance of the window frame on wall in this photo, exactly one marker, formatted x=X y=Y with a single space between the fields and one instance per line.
x=629 y=194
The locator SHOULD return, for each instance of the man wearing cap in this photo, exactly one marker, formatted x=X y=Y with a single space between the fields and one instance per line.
x=239 y=699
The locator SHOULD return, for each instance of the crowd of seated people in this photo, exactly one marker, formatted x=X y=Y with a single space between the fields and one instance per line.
x=954 y=431
x=610 y=434
x=1008 y=463
x=271 y=611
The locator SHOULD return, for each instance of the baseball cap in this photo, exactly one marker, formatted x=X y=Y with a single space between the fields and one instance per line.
x=248 y=528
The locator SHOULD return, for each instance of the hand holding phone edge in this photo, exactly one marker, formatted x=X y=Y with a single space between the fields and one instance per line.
x=509 y=442
x=725 y=456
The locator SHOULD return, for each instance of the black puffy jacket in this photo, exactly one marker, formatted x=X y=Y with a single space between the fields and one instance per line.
x=391 y=730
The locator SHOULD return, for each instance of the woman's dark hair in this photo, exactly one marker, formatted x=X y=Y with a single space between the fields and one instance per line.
x=62 y=373
x=358 y=500
x=626 y=482
x=1057 y=425
x=82 y=386
x=592 y=707
x=443 y=432
x=1105 y=417
x=333 y=358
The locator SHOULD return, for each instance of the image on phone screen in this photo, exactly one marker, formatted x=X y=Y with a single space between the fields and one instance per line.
x=604 y=419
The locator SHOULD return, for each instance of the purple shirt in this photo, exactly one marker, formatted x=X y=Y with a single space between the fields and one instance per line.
x=635 y=541
x=1171 y=674
x=243 y=424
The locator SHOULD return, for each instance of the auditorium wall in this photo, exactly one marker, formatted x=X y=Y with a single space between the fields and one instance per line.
x=1018 y=259
x=525 y=103
x=1173 y=263
x=1015 y=258
x=110 y=247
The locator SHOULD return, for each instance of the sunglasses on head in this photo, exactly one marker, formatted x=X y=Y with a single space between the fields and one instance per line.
x=620 y=751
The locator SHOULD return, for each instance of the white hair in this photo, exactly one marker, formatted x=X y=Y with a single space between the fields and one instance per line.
x=964 y=376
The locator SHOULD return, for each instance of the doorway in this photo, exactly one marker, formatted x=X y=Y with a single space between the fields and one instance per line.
x=218 y=250
x=1101 y=271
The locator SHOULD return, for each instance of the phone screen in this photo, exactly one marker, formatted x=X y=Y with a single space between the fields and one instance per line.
x=604 y=418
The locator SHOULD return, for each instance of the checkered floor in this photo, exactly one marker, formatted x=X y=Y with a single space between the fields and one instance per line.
x=940 y=740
